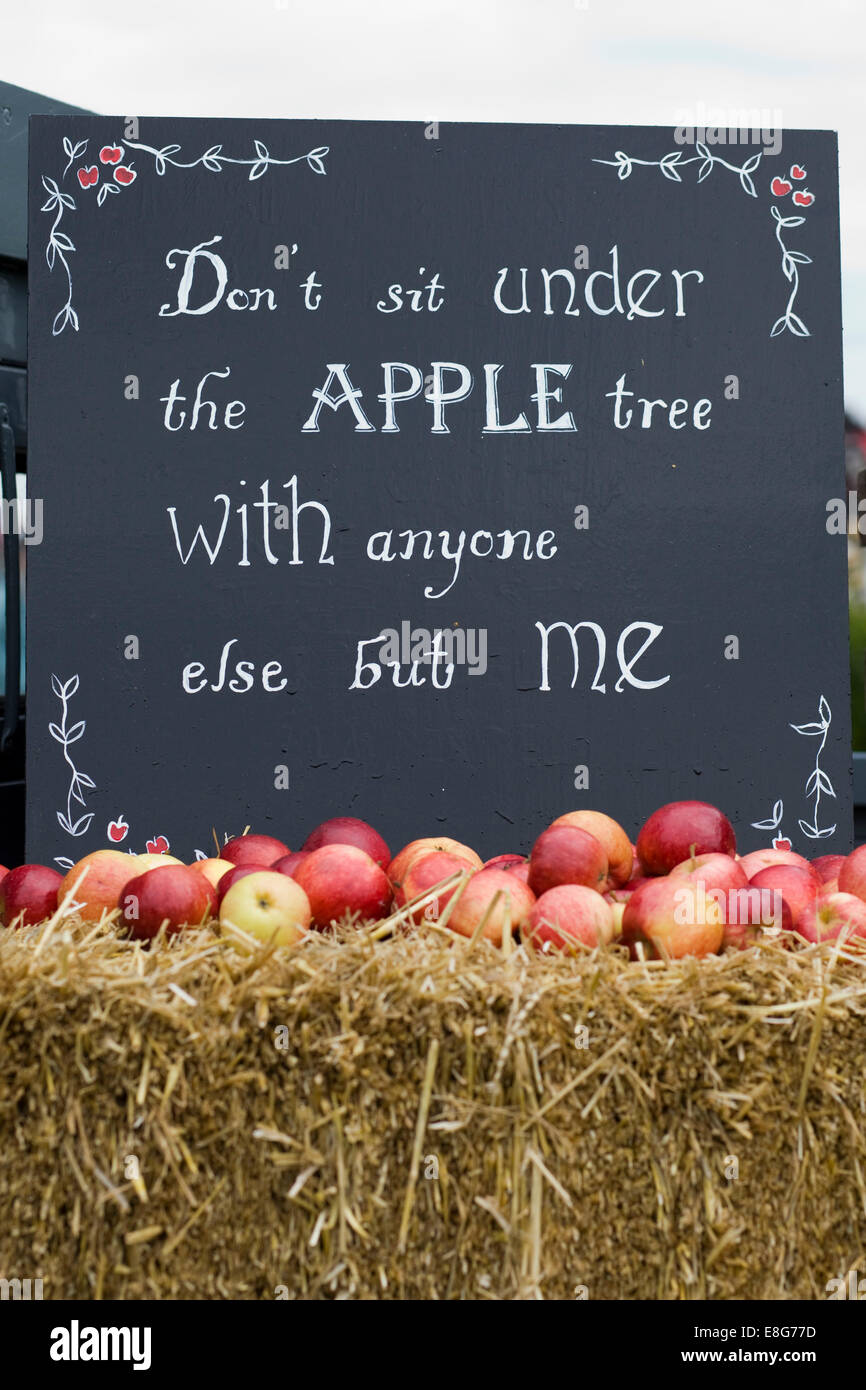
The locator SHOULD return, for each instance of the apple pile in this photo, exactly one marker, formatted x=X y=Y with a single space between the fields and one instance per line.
x=680 y=890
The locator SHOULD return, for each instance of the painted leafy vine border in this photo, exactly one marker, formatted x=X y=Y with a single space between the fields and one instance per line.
x=675 y=161
x=66 y=734
x=816 y=783
x=114 y=172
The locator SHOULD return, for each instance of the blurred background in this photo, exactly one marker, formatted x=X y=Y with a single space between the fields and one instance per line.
x=616 y=62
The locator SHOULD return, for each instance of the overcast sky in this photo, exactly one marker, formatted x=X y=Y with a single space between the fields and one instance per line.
x=621 y=62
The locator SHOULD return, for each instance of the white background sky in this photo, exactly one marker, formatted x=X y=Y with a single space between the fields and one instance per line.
x=597 y=61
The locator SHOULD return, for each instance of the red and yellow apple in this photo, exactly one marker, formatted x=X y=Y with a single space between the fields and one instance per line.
x=268 y=906
x=479 y=899
x=612 y=838
x=399 y=865
x=289 y=862
x=155 y=861
x=798 y=887
x=672 y=917
x=423 y=875
x=236 y=872
x=754 y=912
x=213 y=869
x=28 y=894
x=827 y=866
x=107 y=873
x=852 y=873
x=566 y=854
x=341 y=881
x=173 y=896
x=759 y=859
x=680 y=829
x=568 y=916
x=347 y=830
x=830 y=916
x=713 y=870
x=253 y=849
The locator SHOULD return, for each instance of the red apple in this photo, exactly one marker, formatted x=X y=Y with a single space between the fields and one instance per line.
x=423 y=874
x=680 y=829
x=520 y=870
x=565 y=854
x=290 y=862
x=108 y=872
x=713 y=870
x=268 y=906
x=513 y=906
x=674 y=918
x=752 y=864
x=505 y=861
x=830 y=885
x=852 y=873
x=570 y=915
x=174 y=895
x=342 y=880
x=400 y=863
x=634 y=882
x=827 y=866
x=798 y=888
x=346 y=830
x=612 y=838
x=832 y=915
x=28 y=893
x=236 y=872
x=751 y=913
x=253 y=849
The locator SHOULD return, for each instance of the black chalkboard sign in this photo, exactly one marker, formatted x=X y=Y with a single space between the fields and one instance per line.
x=450 y=477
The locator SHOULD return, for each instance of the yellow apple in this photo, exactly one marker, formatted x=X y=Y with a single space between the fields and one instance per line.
x=267 y=906
x=154 y=861
x=213 y=869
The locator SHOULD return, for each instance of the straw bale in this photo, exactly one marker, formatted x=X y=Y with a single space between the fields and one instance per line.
x=418 y=1116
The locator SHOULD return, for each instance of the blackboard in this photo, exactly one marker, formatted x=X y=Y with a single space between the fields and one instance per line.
x=683 y=551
